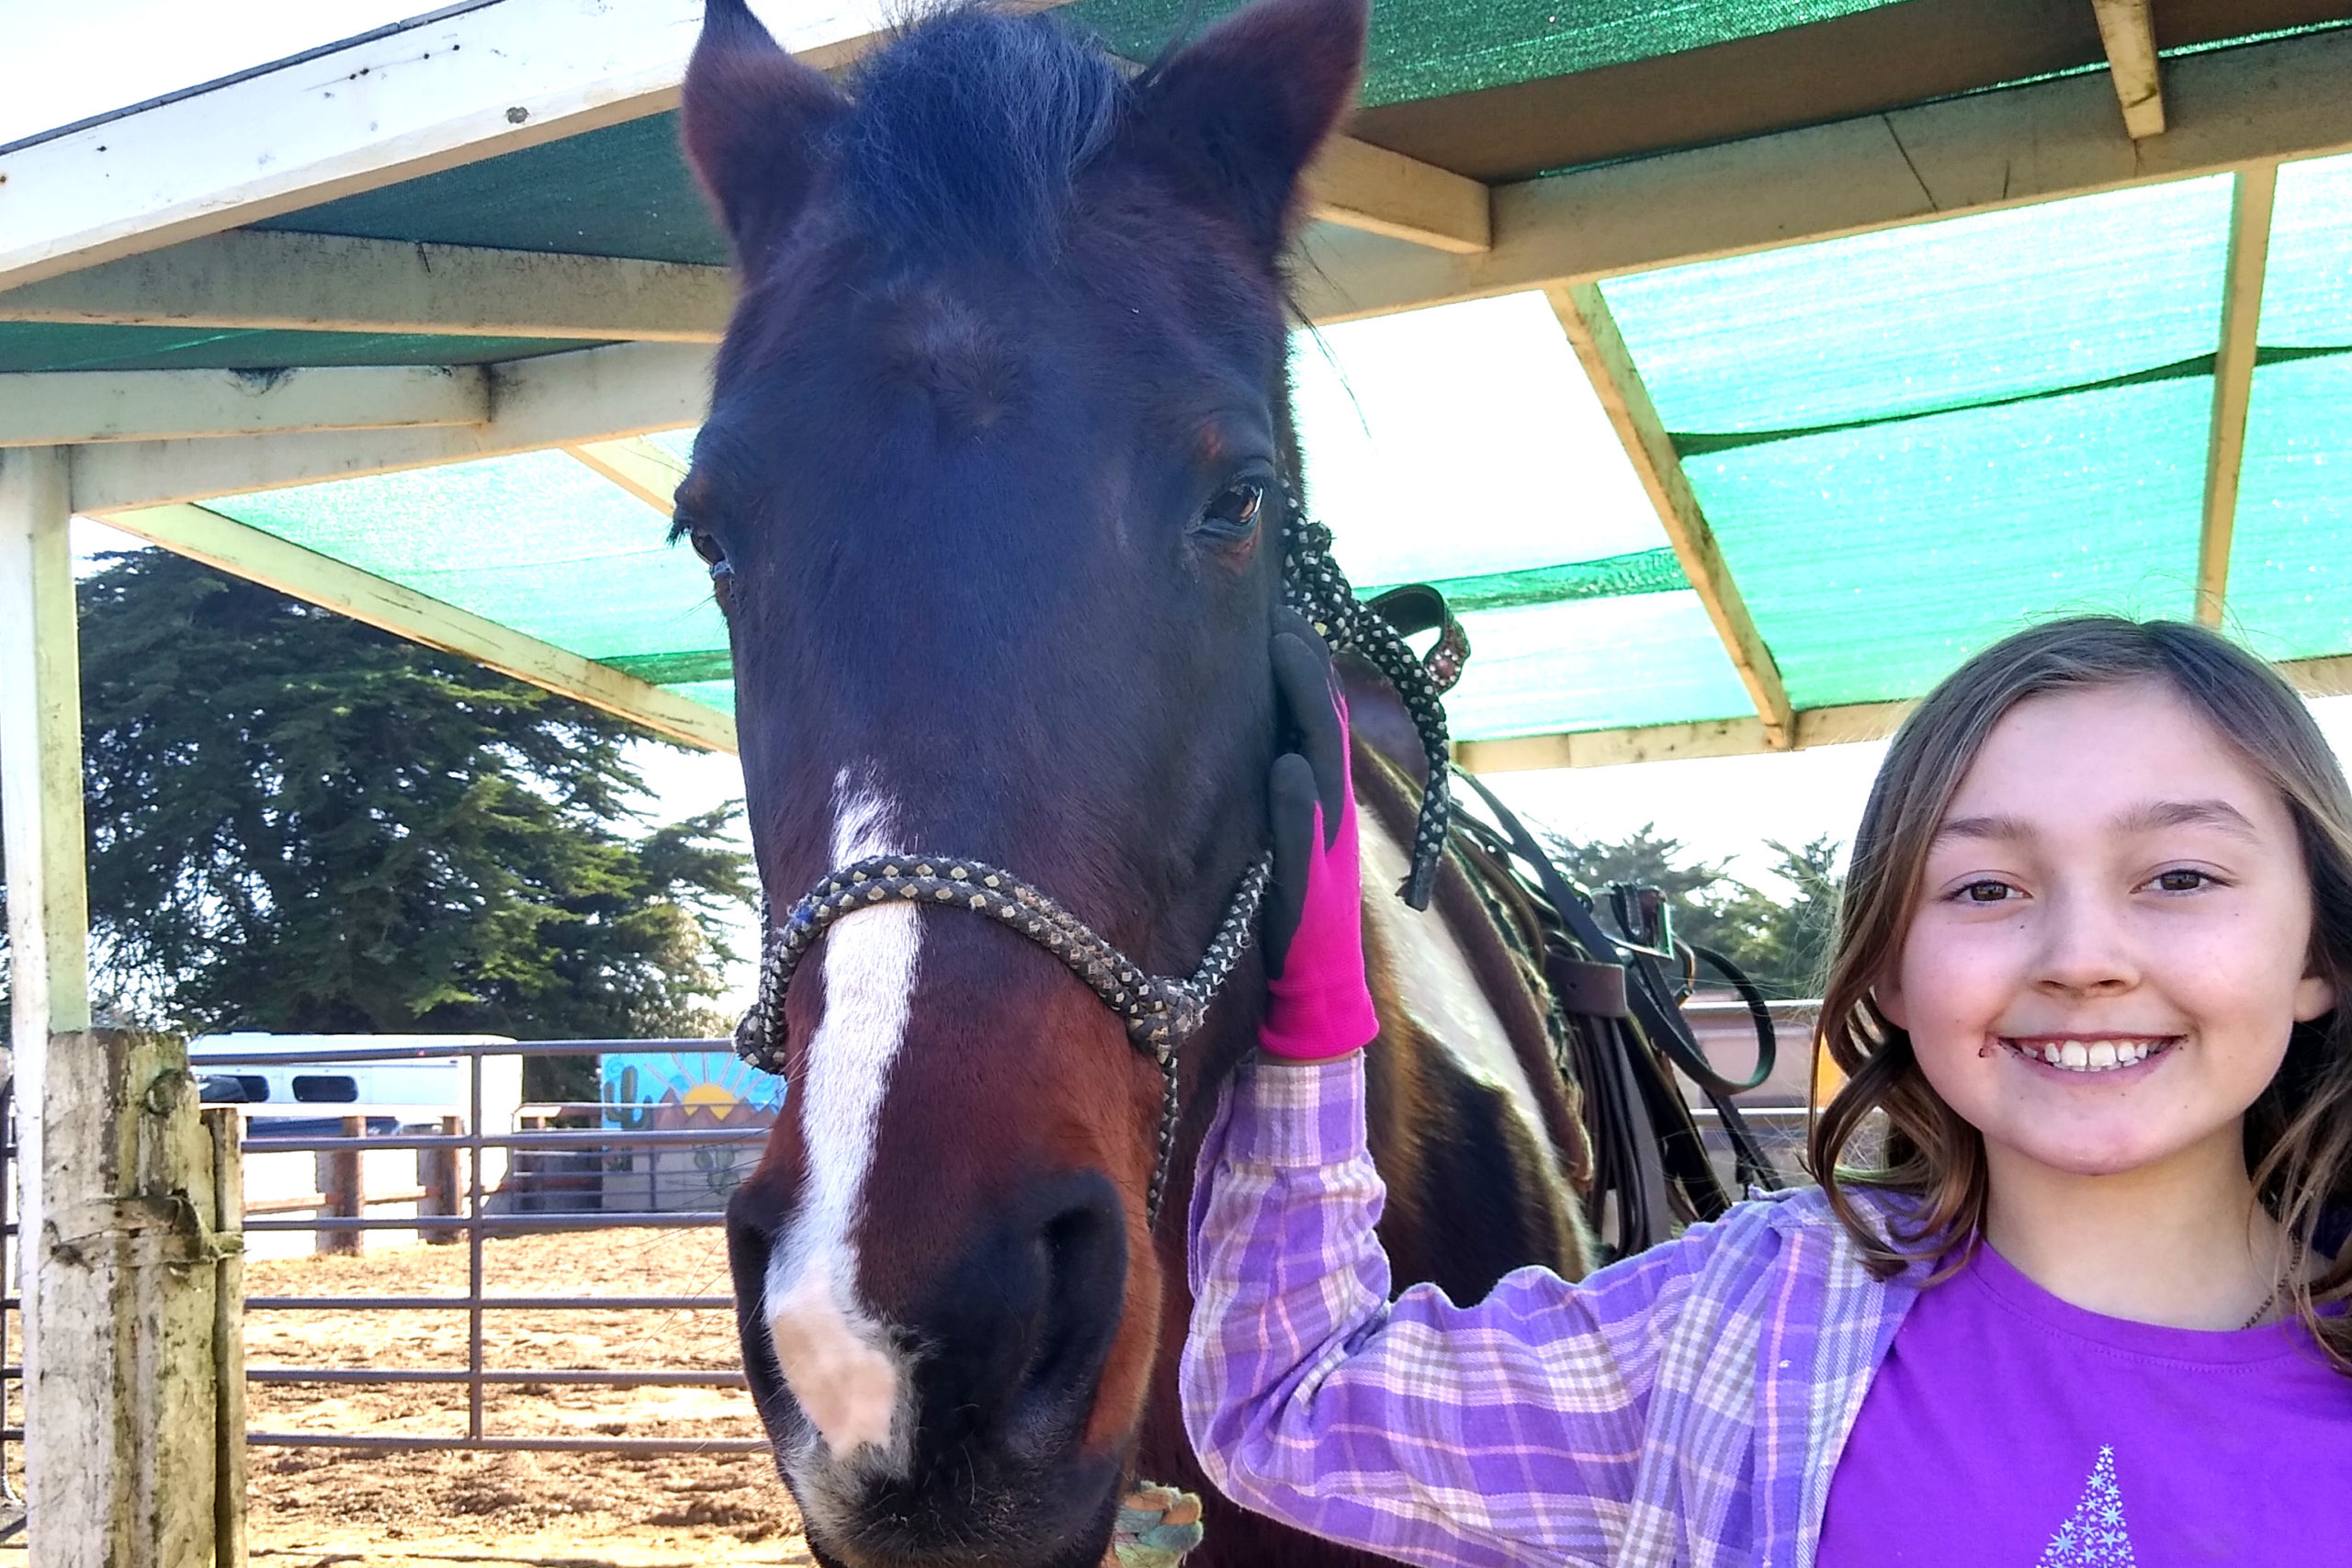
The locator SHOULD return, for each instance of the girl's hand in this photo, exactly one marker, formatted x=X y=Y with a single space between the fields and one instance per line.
x=1319 y=1005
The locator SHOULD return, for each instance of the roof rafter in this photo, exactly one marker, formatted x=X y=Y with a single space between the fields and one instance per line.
x=1676 y=742
x=2250 y=209
x=257 y=279
x=2230 y=107
x=321 y=580
x=2129 y=34
x=1601 y=349
x=62 y=407
x=637 y=466
x=592 y=395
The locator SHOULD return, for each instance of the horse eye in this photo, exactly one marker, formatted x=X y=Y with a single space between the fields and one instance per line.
x=1235 y=507
x=708 y=547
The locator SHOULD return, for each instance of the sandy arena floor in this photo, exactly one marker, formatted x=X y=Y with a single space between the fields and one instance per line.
x=314 y=1508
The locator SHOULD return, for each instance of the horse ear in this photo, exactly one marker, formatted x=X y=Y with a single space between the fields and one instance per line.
x=1253 y=98
x=749 y=119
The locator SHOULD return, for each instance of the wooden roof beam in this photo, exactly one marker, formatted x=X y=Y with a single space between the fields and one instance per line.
x=254 y=280
x=304 y=574
x=453 y=88
x=2130 y=37
x=595 y=394
x=2250 y=209
x=1676 y=742
x=1592 y=331
x=68 y=407
x=1358 y=185
x=2261 y=102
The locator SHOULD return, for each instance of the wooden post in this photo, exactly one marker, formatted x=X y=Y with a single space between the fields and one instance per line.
x=345 y=1191
x=225 y=1129
x=41 y=802
x=123 y=1452
x=438 y=1174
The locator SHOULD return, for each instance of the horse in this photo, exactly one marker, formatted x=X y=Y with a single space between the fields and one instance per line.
x=992 y=489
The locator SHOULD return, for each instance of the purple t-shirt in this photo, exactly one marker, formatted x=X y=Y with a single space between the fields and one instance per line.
x=2008 y=1429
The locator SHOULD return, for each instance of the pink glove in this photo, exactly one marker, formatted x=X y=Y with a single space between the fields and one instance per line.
x=1318 y=1005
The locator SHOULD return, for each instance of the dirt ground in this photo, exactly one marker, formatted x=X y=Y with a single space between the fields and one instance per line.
x=317 y=1507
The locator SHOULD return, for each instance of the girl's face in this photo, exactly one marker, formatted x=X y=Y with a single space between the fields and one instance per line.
x=2111 y=944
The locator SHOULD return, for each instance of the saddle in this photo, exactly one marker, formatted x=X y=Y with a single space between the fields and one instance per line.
x=1614 y=1000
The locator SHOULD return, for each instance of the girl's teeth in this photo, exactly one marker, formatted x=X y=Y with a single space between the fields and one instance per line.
x=2092 y=1056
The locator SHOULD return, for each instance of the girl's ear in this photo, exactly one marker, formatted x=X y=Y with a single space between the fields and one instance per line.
x=2314 y=997
x=1887 y=997
x=750 y=117
x=1247 y=106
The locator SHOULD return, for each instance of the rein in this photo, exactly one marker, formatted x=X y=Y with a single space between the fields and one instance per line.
x=1160 y=1012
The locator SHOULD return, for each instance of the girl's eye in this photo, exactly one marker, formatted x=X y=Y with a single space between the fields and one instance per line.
x=1986 y=892
x=2182 y=881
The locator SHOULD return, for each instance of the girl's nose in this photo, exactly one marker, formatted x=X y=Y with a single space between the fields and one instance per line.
x=2083 y=948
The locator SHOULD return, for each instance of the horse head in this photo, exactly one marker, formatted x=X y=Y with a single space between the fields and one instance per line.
x=992 y=488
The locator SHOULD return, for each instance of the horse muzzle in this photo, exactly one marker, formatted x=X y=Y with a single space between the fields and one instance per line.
x=953 y=1433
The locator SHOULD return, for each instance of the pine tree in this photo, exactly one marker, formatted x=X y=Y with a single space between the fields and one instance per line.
x=1782 y=944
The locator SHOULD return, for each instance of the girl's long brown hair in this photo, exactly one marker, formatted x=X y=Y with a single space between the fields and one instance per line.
x=2298 y=1135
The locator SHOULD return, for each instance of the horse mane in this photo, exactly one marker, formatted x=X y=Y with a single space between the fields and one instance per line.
x=967 y=134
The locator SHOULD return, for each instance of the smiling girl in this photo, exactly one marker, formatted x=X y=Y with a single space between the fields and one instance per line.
x=2071 y=1289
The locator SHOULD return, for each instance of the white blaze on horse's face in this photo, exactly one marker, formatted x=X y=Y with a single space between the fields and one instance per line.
x=835 y=1355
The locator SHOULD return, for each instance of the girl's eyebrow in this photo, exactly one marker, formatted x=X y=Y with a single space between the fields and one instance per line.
x=2144 y=817
x=2187 y=813
x=1992 y=827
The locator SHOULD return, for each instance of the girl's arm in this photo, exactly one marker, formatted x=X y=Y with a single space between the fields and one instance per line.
x=1504 y=1432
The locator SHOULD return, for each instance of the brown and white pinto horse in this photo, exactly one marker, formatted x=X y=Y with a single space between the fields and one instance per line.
x=987 y=486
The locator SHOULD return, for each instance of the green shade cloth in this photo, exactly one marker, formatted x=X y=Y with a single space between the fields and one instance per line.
x=1874 y=560
x=2307 y=283
x=1593 y=664
x=2291 y=556
x=1933 y=317
x=535 y=542
x=1426 y=49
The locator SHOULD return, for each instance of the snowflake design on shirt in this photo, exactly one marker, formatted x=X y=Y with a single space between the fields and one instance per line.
x=2095 y=1535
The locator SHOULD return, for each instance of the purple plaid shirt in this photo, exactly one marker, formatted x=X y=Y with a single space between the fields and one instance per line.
x=1684 y=1406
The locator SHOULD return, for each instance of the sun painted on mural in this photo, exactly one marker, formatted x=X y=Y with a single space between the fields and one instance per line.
x=665 y=1090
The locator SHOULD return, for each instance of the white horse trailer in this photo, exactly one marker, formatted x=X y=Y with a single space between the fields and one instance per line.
x=282 y=1095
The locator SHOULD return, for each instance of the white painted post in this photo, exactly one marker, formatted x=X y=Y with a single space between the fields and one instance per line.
x=40 y=800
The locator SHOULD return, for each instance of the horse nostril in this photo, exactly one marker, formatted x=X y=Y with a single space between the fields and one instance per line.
x=1082 y=1250
x=1017 y=1329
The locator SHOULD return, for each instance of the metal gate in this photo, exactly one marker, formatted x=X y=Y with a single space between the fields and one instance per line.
x=550 y=1170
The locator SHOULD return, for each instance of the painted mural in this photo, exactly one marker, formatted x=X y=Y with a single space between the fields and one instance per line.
x=681 y=1091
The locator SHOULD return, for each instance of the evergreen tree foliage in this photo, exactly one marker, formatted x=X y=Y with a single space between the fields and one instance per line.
x=298 y=823
x=1781 y=942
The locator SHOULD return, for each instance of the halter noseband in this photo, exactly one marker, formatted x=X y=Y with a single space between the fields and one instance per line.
x=1159 y=1012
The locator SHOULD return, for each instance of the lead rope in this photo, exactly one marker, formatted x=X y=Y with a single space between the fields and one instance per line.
x=1314 y=585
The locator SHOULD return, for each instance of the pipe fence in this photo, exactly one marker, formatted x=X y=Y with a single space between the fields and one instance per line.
x=545 y=1168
